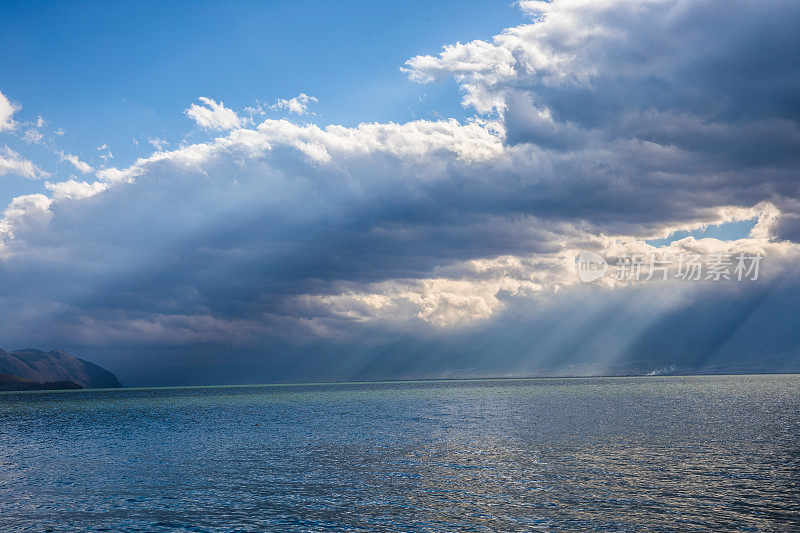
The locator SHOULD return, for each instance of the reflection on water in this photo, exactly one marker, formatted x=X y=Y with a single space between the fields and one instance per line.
x=612 y=454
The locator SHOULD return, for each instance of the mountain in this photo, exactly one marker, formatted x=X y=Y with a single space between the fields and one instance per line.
x=55 y=366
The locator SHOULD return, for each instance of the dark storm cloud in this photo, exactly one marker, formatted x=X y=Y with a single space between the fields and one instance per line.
x=640 y=99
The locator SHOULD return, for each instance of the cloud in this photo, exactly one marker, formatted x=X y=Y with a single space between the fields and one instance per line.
x=626 y=55
x=297 y=105
x=469 y=291
x=658 y=84
x=75 y=190
x=7 y=110
x=332 y=226
x=13 y=163
x=213 y=115
x=158 y=144
x=79 y=165
x=25 y=217
x=32 y=136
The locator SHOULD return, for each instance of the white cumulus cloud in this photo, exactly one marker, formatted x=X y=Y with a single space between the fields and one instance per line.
x=213 y=115
x=7 y=110
x=297 y=105
x=75 y=190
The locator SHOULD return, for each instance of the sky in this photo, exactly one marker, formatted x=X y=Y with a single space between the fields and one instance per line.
x=122 y=75
x=291 y=191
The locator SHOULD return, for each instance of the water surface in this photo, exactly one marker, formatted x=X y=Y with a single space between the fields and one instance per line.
x=664 y=453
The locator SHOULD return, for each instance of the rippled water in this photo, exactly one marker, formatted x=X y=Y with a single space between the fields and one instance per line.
x=607 y=453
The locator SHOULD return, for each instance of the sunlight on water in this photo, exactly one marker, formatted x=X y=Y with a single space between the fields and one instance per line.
x=607 y=453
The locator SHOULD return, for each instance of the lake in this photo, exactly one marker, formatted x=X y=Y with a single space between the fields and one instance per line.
x=666 y=453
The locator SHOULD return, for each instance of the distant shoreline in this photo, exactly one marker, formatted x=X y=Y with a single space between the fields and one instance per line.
x=405 y=381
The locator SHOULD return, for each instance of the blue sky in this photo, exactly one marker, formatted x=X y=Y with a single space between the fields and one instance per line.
x=111 y=73
x=320 y=190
